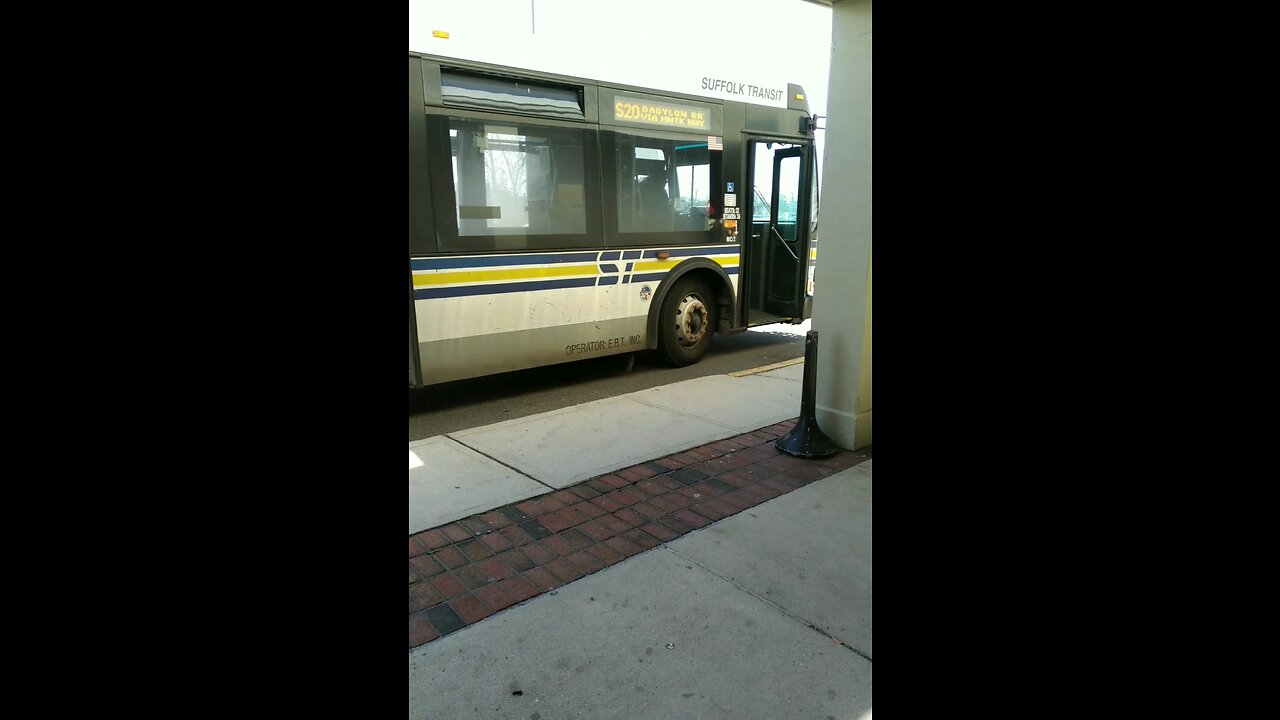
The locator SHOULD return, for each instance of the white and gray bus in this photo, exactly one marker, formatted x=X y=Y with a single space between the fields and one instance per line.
x=553 y=219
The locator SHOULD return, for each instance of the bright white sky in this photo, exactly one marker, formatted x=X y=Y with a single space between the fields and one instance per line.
x=661 y=44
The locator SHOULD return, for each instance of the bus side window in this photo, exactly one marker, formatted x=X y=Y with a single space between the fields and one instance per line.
x=517 y=181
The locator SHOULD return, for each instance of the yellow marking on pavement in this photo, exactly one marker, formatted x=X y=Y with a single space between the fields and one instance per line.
x=767 y=368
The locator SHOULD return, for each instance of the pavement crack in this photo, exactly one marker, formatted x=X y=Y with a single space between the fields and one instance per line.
x=767 y=601
x=514 y=469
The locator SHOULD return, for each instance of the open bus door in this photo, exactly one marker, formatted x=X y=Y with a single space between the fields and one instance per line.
x=778 y=242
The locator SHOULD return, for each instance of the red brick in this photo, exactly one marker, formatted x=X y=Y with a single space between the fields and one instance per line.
x=426 y=565
x=692 y=491
x=471 y=576
x=475 y=525
x=456 y=533
x=422 y=596
x=670 y=463
x=641 y=538
x=493 y=569
x=606 y=554
x=623 y=546
x=782 y=463
x=706 y=488
x=433 y=539
x=648 y=510
x=450 y=557
x=475 y=550
x=613 y=481
x=447 y=585
x=496 y=520
x=542 y=579
x=562 y=519
x=565 y=497
x=658 y=531
x=595 y=530
x=495 y=542
x=532 y=508
x=517 y=536
x=538 y=554
x=706 y=511
x=626 y=496
x=674 y=524
x=566 y=542
x=590 y=510
x=616 y=526
x=739 y=499
x=564 y=570
x=586 y=562
x=679 y=499
x=515 y=560
x=551 y=504
x=714 y=466
x=413 y=575
x=600 y=487
x=415 y=548
x=703 y=453
x=692 y=519
x=506 y=593
x=668 y=482
x=631 y=517
x=720 y=506
x=584 y=491
x=604 y=503
x=663 y=503
x=636 y=472
x=470 y=609
x=650 y=487
x=420 y=630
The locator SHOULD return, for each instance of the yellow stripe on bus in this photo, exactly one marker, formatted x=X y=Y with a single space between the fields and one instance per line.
x=481 y=276
x=668 y=264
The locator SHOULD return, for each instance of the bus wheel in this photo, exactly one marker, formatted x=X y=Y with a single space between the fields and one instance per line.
x=686 y=322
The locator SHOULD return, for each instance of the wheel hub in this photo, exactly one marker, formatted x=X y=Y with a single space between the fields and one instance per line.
x=691 y=321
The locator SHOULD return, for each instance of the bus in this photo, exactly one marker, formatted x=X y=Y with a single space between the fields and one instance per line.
x=555 y=219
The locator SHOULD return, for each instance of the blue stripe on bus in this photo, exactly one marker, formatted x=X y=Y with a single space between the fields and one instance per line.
x=451 y=263
x=498 y=289
x=641 y=277
x=609 y=255
x=609 y=280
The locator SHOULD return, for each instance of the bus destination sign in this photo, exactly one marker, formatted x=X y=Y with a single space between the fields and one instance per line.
x=662 y=114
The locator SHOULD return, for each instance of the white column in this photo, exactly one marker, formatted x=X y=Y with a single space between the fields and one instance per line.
x=842 y=279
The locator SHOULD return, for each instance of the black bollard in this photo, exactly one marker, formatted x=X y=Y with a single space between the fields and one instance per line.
x=806 y=439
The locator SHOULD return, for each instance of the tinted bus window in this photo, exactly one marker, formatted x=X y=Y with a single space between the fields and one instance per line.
x=663 y=185
x=510 y=180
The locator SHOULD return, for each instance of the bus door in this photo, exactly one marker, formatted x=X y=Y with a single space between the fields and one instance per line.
x=778 y=241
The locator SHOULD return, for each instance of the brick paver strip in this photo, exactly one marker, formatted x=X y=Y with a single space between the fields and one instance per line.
x=465 y=571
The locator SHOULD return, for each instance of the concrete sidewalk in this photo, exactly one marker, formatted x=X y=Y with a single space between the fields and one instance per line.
x=722 y=580
x=518 y=459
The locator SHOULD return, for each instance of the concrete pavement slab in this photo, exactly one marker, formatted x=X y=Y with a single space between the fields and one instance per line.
x=566 y=446
x=448 y=481
x=655 y=636
x=742 y=404
x=809 y=551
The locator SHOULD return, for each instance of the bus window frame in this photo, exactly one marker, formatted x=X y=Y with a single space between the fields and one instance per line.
x=448 y=238
x=613 y=237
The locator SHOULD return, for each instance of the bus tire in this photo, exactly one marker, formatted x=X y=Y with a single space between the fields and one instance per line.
x=686 y=322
